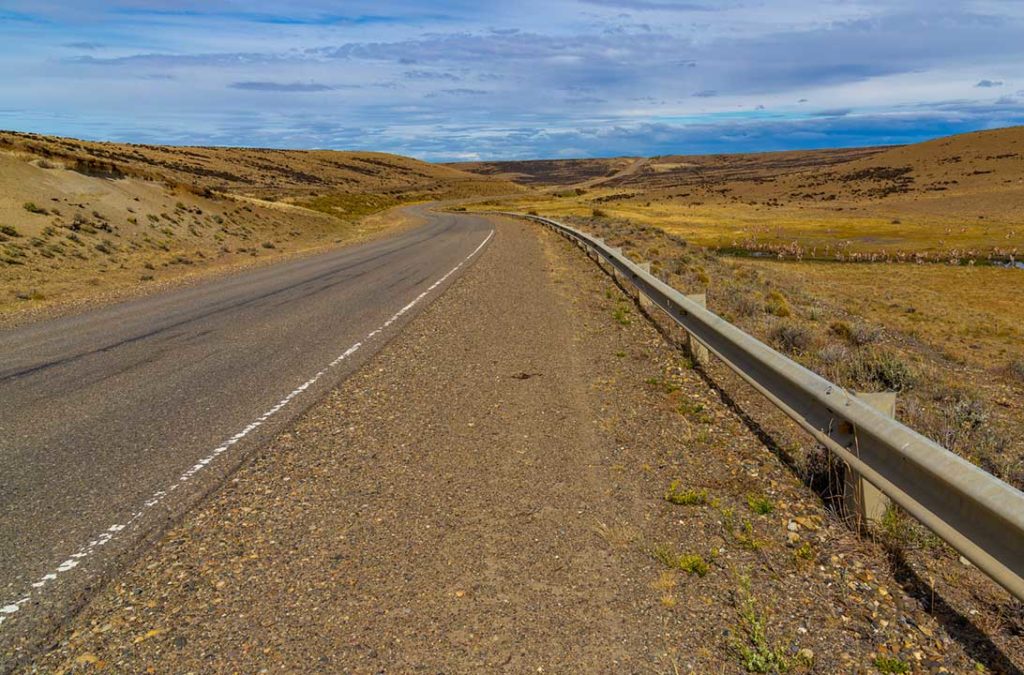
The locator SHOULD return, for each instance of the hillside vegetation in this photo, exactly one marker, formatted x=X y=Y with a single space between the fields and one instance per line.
x=956 y=198
x=79 y=219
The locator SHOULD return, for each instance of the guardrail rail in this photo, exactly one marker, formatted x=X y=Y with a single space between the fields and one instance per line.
x=977 y=514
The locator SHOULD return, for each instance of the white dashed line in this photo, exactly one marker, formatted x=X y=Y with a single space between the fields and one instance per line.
x=111 y=532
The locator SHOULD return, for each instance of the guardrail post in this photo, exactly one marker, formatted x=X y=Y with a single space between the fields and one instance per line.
x=698 y=352
x=864 y=502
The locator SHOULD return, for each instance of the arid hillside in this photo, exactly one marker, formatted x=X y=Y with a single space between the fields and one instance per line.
x=549 y=172
x=79 y=219
x=258 y=172
x=951 y=198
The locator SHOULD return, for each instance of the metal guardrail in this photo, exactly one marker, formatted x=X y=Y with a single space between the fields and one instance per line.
x=973 y=511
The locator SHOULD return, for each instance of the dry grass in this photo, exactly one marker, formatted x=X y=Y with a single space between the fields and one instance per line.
x=956 y=198
x=971 y=314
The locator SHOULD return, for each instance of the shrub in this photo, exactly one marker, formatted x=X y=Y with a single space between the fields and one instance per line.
x=9 y=231
x=775 y=303
x=599 y=213
x=881 y=368
x=268 y=244
x=792 y=338
x=833 y=354
x=32 y=208
x=857 y=335
x=746 y=305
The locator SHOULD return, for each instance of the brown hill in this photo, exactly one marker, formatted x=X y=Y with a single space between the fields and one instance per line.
x=78 y=217
x=971 y=174
x=258 y=172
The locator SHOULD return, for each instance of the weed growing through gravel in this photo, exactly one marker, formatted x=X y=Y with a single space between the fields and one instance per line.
x=804 y=552
x=621 y=315
x=691 y=563
x=745 y=537
x=891 y=664
x=677 y=494
x=756 y=652
x=760 y=504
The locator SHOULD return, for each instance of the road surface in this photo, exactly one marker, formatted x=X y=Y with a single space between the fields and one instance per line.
x=114 y=421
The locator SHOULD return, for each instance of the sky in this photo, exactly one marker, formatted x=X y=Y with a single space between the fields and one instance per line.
x=465 y=80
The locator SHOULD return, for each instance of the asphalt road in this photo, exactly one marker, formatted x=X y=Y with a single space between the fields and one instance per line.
x=114 y=421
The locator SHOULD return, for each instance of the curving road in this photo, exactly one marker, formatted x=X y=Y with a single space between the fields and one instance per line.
x=114 y=421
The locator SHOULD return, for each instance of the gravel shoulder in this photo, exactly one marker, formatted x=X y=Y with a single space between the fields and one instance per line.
x=489 y=493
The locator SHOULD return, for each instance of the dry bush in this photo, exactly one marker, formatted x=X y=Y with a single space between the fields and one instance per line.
x=961 y=422
x=791 y=337
x=879 y=368
x=775 y=303
x=858 y=335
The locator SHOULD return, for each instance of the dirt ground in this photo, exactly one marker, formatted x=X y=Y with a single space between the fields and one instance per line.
x=528 y=478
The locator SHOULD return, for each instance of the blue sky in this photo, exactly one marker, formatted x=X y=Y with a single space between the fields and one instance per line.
x=458 y=79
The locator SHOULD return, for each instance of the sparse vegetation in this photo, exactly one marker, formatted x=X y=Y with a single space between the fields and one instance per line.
x=891 y=665
x=690 y=563
x=756 y=651
x=678 y=494
x=166 y=197
x=760 y=504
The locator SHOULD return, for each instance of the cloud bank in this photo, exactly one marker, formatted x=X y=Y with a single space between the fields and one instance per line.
x=444 y=80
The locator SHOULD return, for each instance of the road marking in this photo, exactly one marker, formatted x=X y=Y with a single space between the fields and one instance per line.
x=111 y=532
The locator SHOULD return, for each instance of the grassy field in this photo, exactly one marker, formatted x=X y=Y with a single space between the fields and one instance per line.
x=959 y=198
x=970 y=314
x=799 y=231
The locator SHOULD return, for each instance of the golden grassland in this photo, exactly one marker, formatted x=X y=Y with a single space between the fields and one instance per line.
x=958 y=198
x=970 y=314
x=804 y=231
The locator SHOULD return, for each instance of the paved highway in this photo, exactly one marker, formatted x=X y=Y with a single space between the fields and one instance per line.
x=113 y=421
